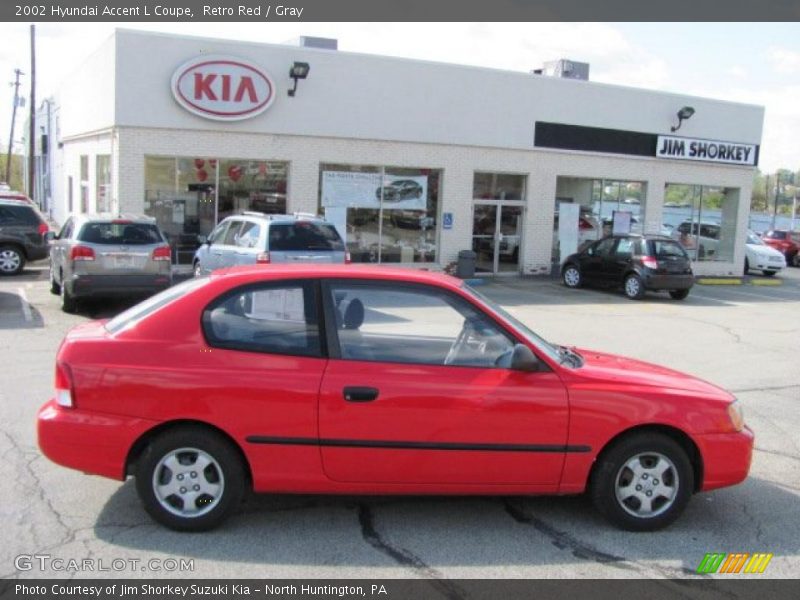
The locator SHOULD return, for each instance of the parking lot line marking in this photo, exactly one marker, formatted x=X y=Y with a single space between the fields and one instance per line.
x=766 y=282
x=721 y=281
x=26 y=307
x=741 y=292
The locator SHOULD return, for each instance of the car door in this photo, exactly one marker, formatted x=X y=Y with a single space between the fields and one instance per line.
x=59 y=248
x=592 y=259
x=618 y=261
x=247 y=249
x=412 y=393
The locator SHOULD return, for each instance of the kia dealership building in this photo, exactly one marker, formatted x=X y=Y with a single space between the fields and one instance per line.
x=413 y=161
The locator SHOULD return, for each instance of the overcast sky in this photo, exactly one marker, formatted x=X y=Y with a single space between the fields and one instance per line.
x=756 y=63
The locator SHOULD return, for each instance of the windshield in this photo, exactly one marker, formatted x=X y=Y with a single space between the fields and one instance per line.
x=133 y=315
x=752 y=238
x=553 y=352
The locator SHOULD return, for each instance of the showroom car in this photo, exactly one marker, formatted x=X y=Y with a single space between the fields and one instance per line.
x=785 y=242
x=371 y=380
x=761 y=257
x=636 y=263
x=108 y=256
x=255 y=238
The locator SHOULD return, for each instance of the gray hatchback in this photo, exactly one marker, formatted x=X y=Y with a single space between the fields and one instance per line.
x=257 y=238
x=106 y=256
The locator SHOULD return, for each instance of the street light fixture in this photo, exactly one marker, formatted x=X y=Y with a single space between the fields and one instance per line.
x=684 y=113
x=298 y=71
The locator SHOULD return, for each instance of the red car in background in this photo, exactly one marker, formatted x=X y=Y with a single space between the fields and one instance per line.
x=785 y=242
x=347 y=380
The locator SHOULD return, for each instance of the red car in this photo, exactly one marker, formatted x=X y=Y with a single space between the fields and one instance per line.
x=334 y=379
x=785 y=242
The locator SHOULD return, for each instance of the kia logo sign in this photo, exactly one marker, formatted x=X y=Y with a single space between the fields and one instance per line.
x=222 y=88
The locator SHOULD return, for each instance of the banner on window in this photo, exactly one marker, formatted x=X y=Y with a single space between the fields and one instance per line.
x=366 y=190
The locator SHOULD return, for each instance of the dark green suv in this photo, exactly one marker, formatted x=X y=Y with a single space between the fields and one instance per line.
x=23 y=232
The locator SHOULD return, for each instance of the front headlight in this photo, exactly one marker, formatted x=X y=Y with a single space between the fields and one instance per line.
x=736 y=415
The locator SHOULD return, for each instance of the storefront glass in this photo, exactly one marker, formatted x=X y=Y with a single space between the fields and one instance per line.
x=703 y=219
x=103 y=182
x=497 y=221
x=385 y=214
x=189 y=196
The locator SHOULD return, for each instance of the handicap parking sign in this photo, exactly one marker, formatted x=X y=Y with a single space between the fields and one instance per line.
x=447 y=220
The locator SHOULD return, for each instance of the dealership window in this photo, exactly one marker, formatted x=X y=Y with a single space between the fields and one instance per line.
x=84 y=184
x=703 y=219
x=385 y=214
x=103 y=182
x=598 y=201
x=188 y=196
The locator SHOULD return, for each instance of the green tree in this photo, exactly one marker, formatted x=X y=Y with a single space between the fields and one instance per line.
x=15 y=182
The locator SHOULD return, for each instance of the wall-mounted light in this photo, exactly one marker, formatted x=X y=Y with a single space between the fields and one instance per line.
x=685 y=113
x=299 y=70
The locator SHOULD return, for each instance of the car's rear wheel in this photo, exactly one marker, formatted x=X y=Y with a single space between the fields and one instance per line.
x=12 y=260
x=190 y=479
x=68 y=302
x=634 y=288
x=679 y=294
x=643 y=482
x=571 y=276
x=769 y=273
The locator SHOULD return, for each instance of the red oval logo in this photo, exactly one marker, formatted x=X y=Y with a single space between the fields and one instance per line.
x=222 y=88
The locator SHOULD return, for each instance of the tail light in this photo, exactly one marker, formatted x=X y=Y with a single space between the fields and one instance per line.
x=43 y=228
x=347 y=259
x=262 y=258
x=64 y=386
x=649 y=262
x=162 y=253
x=584 y=224
x=81 y=253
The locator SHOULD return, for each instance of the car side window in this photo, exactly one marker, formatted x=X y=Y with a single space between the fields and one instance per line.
x=271 y=318
x=624 y=248
x=602 y=248
x=66 y=230
x=217 y=235
x=415 y=324
x=248 y=235
x=232 y=234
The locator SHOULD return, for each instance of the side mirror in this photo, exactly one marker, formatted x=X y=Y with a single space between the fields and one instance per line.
x=49 y=236
x=523 y=359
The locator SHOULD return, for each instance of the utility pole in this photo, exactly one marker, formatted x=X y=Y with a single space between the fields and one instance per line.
x=32 y=123
x=16 y=84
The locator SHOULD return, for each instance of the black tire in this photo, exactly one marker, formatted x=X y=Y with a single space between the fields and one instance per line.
x=644 y=448
x=196 y=269
x=225 y=471
x=769 y=273
x=571 y=276
x=679 y=294
x=68 y=302
x=746 y=266
x=634 y=287
x=55 y=288
x=12 y=260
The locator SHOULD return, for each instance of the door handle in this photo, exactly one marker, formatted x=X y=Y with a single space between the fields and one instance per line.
x=360 y=394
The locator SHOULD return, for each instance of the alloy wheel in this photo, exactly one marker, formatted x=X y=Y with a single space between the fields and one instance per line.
x=188 y=482
x=647 y=485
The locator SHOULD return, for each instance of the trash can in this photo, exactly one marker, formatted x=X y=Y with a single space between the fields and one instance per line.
x=465 y=269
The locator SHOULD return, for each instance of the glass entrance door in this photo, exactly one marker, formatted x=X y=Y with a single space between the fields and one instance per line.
x=497 y=237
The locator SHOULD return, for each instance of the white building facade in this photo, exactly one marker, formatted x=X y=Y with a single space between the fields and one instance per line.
x=413 y=161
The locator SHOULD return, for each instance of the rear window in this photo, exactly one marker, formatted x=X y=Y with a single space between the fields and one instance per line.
x=667 y=249
x=20 y=215
x=128 y=234
x=304 y=235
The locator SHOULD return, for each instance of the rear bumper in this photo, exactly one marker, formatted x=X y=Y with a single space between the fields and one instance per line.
x=89 y=442
x=84 y=286
x=668 y=282
x=726 y=457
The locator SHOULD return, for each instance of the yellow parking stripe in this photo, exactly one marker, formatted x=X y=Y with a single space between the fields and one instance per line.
x=766 y=282
x=720 y=281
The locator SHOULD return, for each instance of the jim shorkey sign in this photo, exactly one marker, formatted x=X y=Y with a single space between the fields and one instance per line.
x=706 y=150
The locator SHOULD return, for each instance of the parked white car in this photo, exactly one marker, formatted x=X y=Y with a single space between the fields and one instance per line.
x=760 y=257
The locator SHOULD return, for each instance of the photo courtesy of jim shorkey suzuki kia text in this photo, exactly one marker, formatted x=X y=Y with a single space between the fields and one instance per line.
x=159 y=10
x=124 y=590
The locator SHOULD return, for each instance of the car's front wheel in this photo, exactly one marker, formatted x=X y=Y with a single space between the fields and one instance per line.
x=190 y=479
x=571 y=276
x=679 y=294
x=643 y=482
x=634 y=288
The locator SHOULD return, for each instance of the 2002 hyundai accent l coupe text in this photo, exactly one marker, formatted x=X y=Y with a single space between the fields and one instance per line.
x=335 y=379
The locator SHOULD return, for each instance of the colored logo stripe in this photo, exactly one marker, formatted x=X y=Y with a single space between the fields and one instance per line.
x=736 y=562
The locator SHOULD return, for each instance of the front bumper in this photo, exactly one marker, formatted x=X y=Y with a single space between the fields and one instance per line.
x=86 y=286
x=89 y=442
x=726 y=457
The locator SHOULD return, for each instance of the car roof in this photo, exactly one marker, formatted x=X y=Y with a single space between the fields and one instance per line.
x=103 y=217
x=334 y=271
x=283 y=218
x=15 y=201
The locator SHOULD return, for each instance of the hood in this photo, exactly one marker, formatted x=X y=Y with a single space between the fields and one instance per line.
x=629 y=372
x=764 y=250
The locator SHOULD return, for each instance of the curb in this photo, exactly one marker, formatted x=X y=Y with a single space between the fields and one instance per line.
x=768 y=282
x=737 y=281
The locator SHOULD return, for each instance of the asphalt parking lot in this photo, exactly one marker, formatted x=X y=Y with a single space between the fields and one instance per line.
x=744 y=338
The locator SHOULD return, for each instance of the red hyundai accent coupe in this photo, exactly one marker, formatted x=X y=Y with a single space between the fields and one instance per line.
x=340 y=379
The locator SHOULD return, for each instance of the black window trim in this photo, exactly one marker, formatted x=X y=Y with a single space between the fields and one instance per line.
x=331 y=333
x=309 y=285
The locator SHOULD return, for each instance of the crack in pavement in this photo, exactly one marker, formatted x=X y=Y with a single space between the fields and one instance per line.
x=565 y=541
x=405 y=557
x=776 y=388
x=777 y=453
